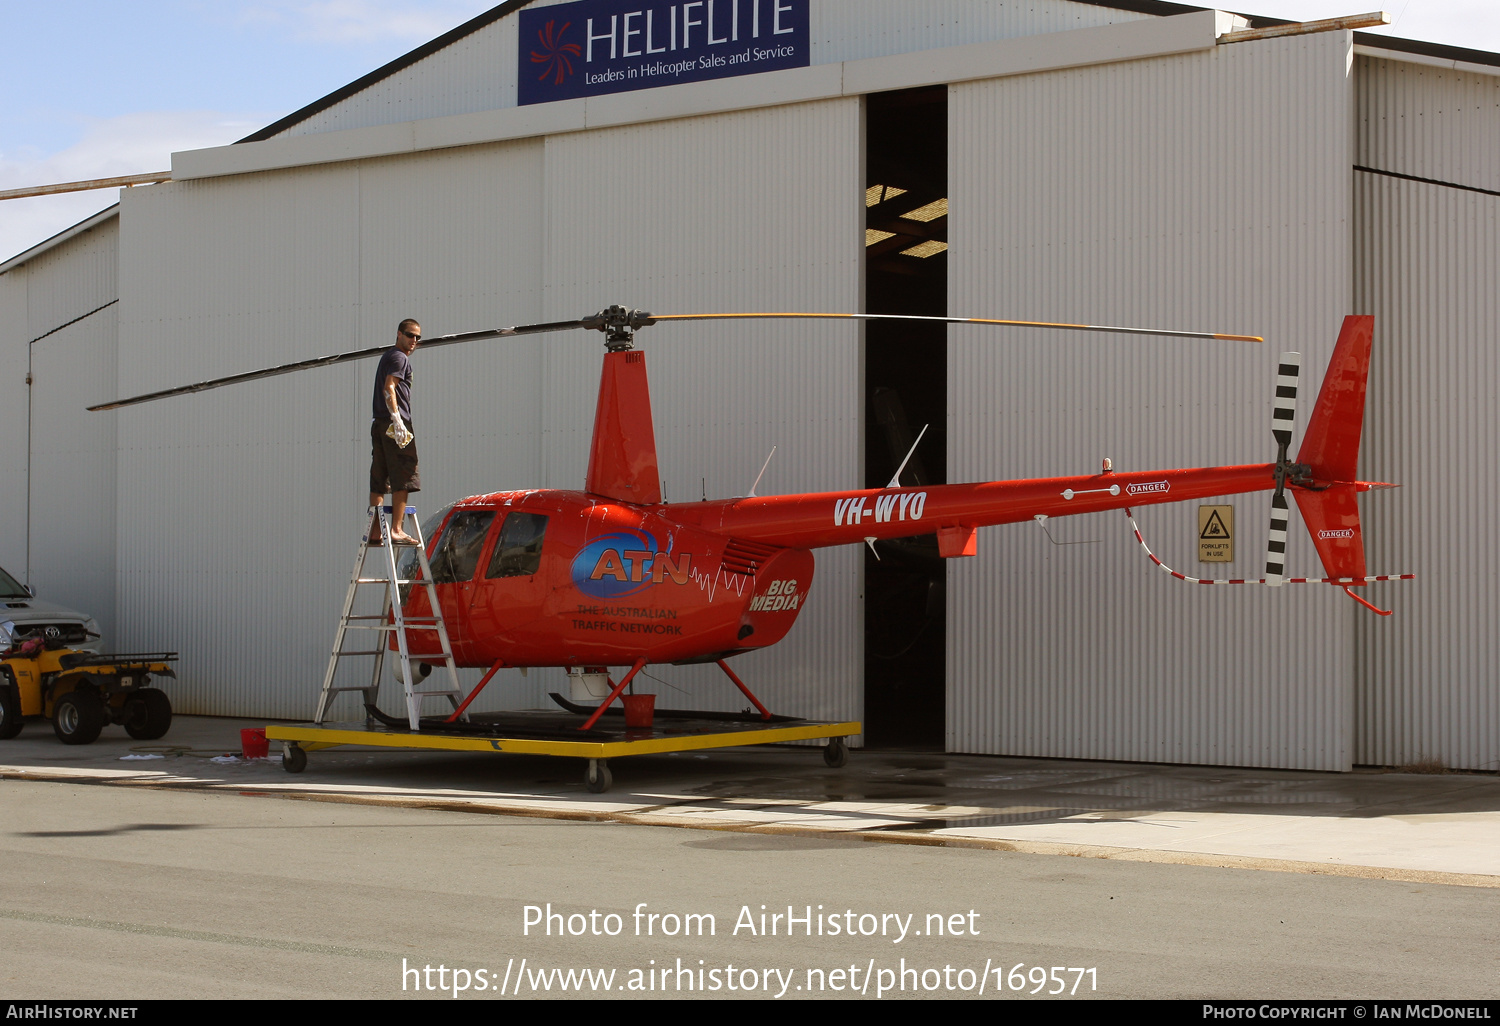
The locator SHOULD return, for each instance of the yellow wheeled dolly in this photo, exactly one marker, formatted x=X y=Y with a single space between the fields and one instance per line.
x=548 y=733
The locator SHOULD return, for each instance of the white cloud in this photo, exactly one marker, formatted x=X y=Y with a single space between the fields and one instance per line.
x=127 y=145
x=346 y=22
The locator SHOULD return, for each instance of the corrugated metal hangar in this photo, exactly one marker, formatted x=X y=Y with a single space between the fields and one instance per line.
x=1136 y=163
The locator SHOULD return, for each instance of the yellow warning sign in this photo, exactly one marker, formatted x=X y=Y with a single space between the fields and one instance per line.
x=1216 y=534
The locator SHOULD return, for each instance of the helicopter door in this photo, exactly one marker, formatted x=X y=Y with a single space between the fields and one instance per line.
x=454 y=563
x=512 y=593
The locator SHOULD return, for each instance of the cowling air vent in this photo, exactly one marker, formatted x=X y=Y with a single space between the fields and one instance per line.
x=746 y=557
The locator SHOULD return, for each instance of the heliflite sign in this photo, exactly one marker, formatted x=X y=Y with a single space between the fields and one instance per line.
x=612 y=46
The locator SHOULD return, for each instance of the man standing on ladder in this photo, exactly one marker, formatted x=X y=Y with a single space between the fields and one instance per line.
x=393 y=447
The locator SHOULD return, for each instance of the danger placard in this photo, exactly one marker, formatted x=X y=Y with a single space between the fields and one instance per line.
x=1216 y=534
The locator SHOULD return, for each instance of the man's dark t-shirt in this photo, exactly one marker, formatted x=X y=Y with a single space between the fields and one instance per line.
x=394 y=361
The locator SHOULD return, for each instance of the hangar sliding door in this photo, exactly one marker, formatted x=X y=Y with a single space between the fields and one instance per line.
x=240 y=508
x=1209 y=191
x=758 y=210
x=1427 y=200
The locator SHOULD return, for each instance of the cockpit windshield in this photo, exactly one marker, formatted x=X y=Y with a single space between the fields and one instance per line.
x=457 y=553
x=10 y=588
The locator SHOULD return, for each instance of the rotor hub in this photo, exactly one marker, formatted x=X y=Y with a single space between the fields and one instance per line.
x=619 y=325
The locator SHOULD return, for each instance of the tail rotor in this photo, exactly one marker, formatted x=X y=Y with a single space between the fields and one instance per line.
x=1283 y=413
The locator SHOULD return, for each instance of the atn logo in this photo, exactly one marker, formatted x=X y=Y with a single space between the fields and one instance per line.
x=1346 y=532
x=621 y=564
x=780 y=595
x=1148 y=487
x=902 y=506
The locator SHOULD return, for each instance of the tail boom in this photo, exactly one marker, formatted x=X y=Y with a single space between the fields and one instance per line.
x=847 y=518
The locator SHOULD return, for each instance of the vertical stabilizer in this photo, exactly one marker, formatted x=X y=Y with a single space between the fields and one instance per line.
x=1330 y=449
x=1330 y=445
x=622 y=459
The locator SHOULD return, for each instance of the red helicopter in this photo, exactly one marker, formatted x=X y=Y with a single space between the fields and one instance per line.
x=613 y=576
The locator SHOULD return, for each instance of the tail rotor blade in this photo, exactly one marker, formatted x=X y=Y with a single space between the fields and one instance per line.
x=1285 y=408
x=1284 y=412
x=1276 y=546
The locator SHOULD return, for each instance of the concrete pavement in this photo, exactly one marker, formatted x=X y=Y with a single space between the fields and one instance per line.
x=1433 y=828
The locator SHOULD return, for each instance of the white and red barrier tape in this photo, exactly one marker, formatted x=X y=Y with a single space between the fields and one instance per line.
x=1343 y=582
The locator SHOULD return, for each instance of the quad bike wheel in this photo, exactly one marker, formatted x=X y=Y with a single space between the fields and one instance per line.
x=148 y=714
x=10 y=712
x=77 y=717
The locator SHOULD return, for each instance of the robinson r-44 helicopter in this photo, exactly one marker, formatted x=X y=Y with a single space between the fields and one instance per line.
x=611 y=576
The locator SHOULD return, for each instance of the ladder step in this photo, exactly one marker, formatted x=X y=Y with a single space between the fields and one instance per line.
x=431 y=620
x=411 y=625
x=396 y=588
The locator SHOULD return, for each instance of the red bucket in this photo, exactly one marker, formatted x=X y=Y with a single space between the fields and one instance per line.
x=253 y=743
x=638 y=709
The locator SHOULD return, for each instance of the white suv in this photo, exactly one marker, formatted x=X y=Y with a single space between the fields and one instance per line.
x=23 y=615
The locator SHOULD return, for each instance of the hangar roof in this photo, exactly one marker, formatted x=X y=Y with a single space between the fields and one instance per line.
x=1161 y=8
x=88 y=223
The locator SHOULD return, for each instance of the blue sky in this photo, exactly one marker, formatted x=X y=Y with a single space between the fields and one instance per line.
x=95 y=88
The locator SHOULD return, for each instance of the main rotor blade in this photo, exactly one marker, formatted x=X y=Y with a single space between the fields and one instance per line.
x=619 y=319
x=329 y=361
x=959 y=320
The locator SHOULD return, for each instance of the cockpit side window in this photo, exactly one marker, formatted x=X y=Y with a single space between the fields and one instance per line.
x=457 y=554
x=518 y=553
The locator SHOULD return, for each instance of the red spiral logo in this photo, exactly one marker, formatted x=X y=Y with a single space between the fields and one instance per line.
x=555 y=55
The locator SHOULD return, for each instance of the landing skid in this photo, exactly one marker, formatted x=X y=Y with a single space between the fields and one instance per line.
x=679 y=714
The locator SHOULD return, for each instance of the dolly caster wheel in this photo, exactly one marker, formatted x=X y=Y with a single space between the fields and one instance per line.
x=836 y=752
x=293 y=758
x=598 y=778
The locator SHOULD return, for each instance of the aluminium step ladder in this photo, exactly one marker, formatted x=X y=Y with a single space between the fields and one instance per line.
x=392 y=619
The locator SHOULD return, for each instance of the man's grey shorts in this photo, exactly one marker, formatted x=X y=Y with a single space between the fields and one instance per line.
x=392 y=469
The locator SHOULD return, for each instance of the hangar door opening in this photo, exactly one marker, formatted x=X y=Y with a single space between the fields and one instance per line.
x=906 y=374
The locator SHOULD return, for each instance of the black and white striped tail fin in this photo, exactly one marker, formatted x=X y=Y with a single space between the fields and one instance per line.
x=1283 y=413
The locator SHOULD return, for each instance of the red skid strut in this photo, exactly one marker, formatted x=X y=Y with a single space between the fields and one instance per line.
x=477 y=689
x=764 y=713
